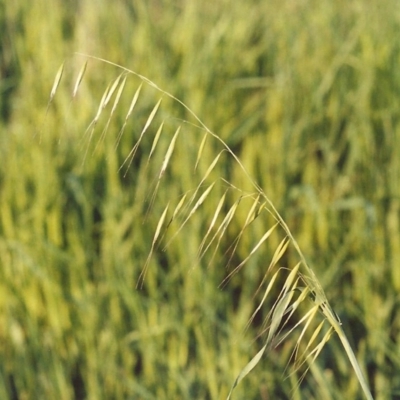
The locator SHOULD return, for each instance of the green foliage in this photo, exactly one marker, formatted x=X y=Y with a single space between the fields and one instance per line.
x=304 y=93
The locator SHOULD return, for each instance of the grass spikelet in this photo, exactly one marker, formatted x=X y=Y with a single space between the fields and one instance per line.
x=247 y=369
x=251 y=216
x=266 y=292
x=199 y=202
x=102 y=105
x=168 y=154
x=222 y=229
x=206 y=175
x=116 y=101
x=112 y=90
x=54 y=88
x=163 y=166
x=153 y=243
x=155 y=141
x=213 y=221
x=255 y=248
x=280 y=250
x=79 y=79
x=201 y=148
x=131 y=107
x=128 y=160
x=178 y=208
x=56 y=83
x=93 y=124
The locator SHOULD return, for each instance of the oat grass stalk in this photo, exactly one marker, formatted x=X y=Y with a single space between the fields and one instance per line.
x=299 y=283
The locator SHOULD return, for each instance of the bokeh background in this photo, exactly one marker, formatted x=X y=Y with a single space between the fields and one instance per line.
x=307 y=95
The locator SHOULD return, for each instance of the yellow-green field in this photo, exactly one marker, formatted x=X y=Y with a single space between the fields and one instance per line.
x=167 y=197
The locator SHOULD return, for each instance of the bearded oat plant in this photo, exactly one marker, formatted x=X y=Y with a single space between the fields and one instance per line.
x=187 y=179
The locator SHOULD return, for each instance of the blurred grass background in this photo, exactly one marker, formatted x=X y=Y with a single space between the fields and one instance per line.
x=305 y=92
